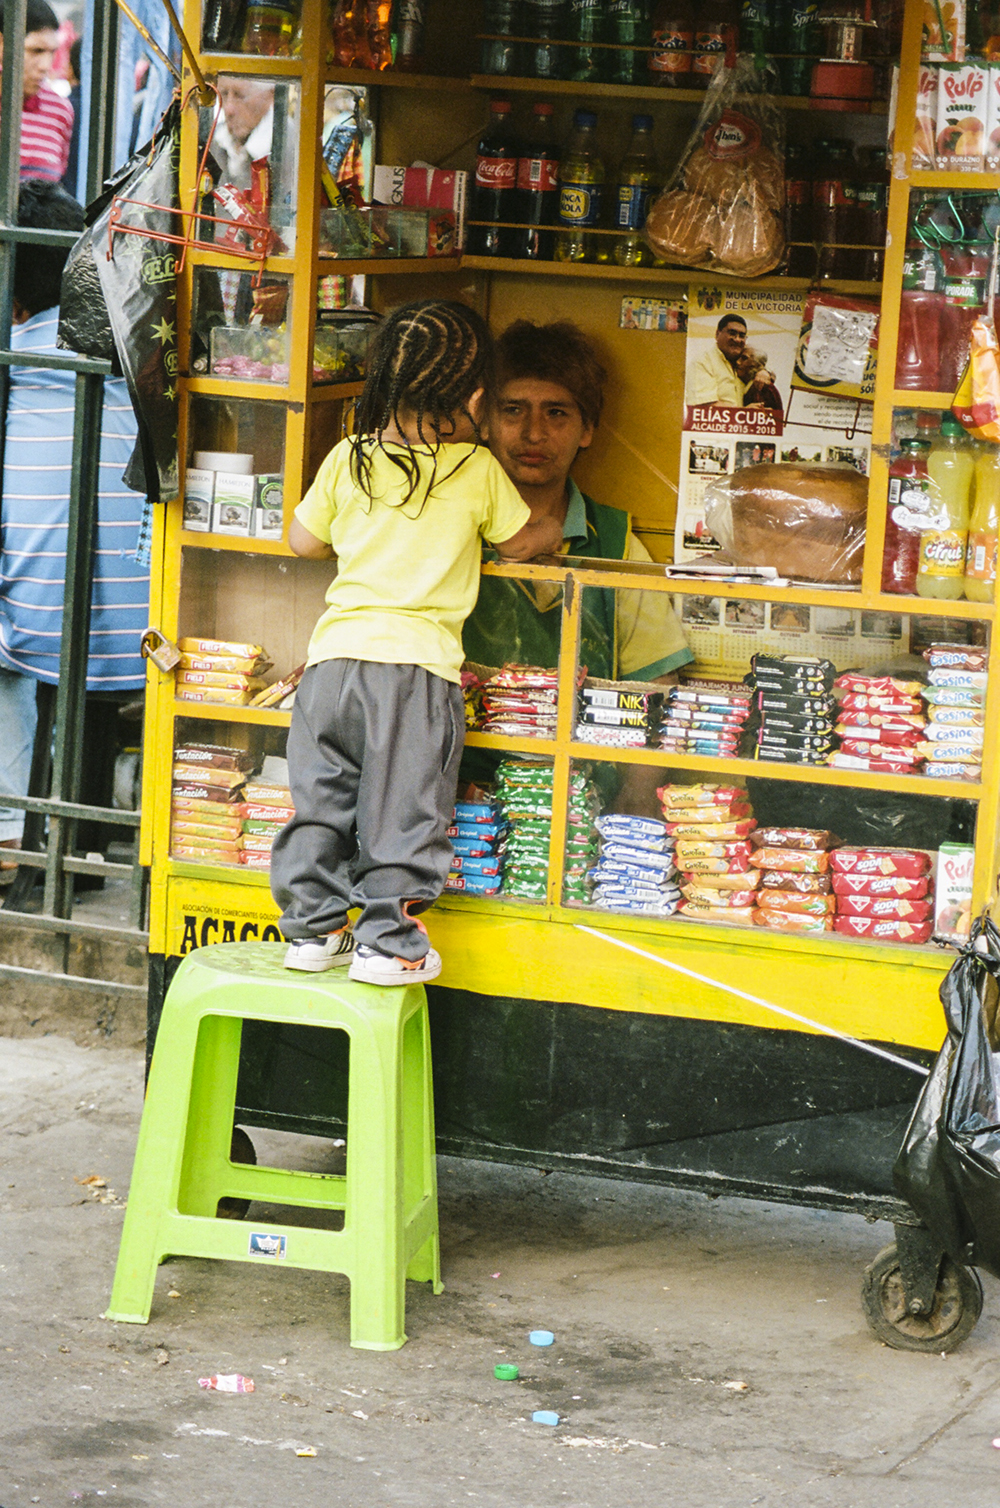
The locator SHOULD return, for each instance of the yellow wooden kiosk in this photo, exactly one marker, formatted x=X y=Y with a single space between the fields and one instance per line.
x=555 y=1045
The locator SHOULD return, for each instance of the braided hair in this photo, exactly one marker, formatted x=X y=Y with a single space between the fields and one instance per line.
x=425 y=363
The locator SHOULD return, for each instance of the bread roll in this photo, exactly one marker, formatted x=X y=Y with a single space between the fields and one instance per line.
x=680 y=227
x=806 y=521
x=749 y=239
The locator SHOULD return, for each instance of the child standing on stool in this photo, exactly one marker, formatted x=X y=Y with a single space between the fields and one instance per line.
x=379 y=720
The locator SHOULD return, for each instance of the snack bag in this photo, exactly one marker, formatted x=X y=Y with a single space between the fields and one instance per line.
x=723 y=209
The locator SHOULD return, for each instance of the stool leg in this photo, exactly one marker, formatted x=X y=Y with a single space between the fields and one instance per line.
x=374 y=1207
x=156 y=1171
x=210 y=1116
x=418 y=1139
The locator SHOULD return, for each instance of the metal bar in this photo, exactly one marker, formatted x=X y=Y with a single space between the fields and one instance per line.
x=72 y=865
x=11 y=103
x=77 y=809
x=205 y=91
x=85 y=365
x=29 y=234
x=78 y=981
x=103 y=76
x=34 y=922
x=71 y=694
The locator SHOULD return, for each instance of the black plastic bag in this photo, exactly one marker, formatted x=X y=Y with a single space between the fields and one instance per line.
x=138 y=289
x=948 y=1167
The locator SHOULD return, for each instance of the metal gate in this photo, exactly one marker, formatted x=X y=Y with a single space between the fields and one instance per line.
x=54 y=809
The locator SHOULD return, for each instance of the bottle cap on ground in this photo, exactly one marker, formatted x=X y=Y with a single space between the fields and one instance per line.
x=506 y=1371
x=541 y=1337
x=544 y=1416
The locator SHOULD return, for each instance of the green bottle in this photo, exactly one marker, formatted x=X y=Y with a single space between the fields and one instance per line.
x=638 y=181
x=581 y=176
x=586 y=24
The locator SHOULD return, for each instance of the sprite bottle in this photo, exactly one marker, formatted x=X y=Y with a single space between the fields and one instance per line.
x=628 y=28
x=581 y=178
x=638 y=181
x=586 y=24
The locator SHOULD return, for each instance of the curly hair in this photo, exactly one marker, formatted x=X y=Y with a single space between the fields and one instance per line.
x=426 y=362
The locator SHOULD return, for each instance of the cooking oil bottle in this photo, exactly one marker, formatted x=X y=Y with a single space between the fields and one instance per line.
x=581 y=181
x=638 y=181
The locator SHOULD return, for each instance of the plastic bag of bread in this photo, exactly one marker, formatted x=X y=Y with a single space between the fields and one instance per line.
x=723 y=209
x=808 y=522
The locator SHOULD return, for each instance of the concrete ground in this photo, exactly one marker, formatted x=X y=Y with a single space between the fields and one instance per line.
x=707 y=1355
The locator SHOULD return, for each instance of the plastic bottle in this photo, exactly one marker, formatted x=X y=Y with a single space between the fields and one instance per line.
x=873 y=209
x=921 y=306
x=951 y=466
x=222 y=25
x=802 y=43
x=410 y=34
x=757 y=24
x=672 y=40
x=349 y=45
x=269 y=28
x=638 y=180
x=537 y=201
x=715 y=34
x=503 y=18
x=834 y=199
x=586 y=25
x=544 y=19
x=966 y=271
x=981 y=553
x=906 y=516
x=581 y=176
x=628 y=26
x=799 y=212
x=494 y=190
x=378 y=32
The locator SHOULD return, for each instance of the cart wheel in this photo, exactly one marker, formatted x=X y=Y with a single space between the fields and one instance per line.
x=241 y=1150
x=958 y=1303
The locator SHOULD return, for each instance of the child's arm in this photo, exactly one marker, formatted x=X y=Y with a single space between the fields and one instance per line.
x=302 y=541
x=540 y=536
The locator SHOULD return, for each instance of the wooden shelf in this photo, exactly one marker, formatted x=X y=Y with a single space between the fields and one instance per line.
x=680 y=926
x=331 y=392
x=916 y=785
x=499 y=83
x=383 y=266
x=392 y=78
x=220 y=712
x=903 y=399
x=675 y=275
x=242 y=543
x=232 y=387
x=975 y=182
x=213 y=63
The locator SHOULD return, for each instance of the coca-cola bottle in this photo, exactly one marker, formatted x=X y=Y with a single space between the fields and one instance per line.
x=537 y=201
x=494 y=190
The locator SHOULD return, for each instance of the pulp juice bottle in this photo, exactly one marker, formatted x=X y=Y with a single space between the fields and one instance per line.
x=906 y=517
x=981 y=554
x=950 y=466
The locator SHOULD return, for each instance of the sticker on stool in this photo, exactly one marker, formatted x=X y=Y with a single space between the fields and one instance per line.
x=263 y=1245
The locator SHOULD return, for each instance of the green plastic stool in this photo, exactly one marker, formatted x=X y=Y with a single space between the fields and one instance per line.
x=182 y=1162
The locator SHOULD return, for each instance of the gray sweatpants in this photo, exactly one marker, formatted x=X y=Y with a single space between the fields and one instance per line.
x=373 y=755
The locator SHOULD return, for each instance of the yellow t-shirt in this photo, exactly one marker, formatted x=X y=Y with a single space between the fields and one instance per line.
x=407 y=573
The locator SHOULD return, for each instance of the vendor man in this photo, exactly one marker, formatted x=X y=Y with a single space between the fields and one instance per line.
x=715 y=377
x=550 y=395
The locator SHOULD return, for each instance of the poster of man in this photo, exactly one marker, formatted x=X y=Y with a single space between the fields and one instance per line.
x=739 y=402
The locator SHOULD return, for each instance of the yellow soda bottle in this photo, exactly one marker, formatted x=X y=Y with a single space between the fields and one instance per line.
x=981 y=554
x=951 y=465
x=581 y=180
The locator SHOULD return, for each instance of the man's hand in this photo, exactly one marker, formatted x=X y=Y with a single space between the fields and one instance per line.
x=302 y=541
x=541 y=536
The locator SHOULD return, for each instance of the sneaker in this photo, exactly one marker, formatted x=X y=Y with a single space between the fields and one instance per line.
x=316 y=954
x=371 y=967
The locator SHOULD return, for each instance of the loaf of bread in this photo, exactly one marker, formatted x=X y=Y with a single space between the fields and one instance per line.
x=681 y=227
x=808 y=522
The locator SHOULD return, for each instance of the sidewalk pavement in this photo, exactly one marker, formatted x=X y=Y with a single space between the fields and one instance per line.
x=707 y=1354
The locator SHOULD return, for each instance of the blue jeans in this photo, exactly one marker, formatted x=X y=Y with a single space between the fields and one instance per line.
x=18 y=717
